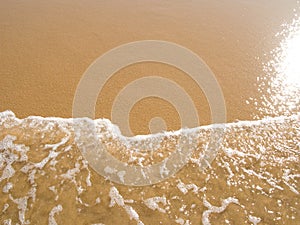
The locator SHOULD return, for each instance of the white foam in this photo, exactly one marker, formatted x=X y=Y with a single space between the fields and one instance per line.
x=215 y=209
x=7 y=222
x=254 y=220
x=5 y=207
x=184 y=188
x=271 y=181
x=121 y=175
x=232 y=161
x=231 y=152
x=55 y=210
x=98 y=200
x=182 y=221
x=287 y=177
x=116 y=198
x=22 y=206
x=109 y=170
x=153 y=203
x=7 y=172
x=71 y=173
x=7 y=187
x=115 y=131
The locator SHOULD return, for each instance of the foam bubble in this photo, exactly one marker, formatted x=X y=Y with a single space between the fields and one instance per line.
x=257 y=163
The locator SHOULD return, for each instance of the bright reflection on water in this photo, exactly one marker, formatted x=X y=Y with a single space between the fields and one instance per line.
x=289 y=65
x=280 y=87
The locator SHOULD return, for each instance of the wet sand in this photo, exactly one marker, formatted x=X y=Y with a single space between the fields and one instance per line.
x=253 y=180
x=45 y=49
x=47 y=46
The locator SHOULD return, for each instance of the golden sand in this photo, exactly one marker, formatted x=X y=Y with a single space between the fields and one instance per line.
x=45 y=48
x=255 y=177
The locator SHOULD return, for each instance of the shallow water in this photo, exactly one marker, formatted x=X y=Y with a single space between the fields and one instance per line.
x=47 y=46
x=255 y=177
x=251 y=46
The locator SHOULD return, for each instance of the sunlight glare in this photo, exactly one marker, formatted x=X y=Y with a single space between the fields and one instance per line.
x=290 y=64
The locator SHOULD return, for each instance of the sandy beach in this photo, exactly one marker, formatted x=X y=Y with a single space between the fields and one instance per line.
x=46 y=47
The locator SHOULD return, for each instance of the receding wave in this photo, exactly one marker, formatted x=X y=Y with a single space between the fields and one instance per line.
x=250 y=175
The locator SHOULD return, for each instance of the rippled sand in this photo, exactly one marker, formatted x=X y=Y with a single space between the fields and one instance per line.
x=255 y=177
